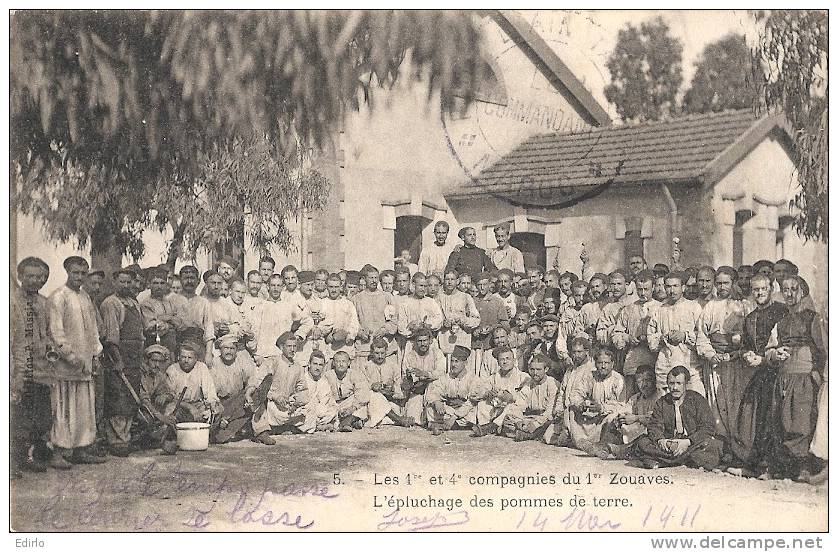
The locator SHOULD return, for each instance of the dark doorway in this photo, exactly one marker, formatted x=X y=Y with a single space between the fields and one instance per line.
x=532 y=247
x=742 y=217
x=408 y=235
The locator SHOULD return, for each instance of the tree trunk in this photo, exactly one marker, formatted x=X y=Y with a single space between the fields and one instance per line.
x=105 y=255
x=176 y=247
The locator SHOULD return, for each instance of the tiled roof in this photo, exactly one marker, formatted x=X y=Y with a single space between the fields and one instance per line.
x=682 y=149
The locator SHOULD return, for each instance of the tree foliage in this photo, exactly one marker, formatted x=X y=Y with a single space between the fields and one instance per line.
x=723 y=78
x=114 y=113
x=792 y=60
x=645 y=69
x=241 y=176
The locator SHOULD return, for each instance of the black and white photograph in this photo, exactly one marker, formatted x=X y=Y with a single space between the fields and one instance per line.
x=460 y=270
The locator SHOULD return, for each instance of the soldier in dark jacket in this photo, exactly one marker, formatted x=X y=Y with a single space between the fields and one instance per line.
x=681 y=431
x=468 y=258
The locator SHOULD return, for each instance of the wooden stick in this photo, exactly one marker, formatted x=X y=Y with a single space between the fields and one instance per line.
x=174 y=413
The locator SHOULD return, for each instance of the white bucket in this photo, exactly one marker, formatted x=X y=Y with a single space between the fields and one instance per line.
x=193 y=435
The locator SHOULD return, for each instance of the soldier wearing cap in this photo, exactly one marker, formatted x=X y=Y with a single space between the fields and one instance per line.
x=423 y=363
x=156 y=397
x=162 y=316
x=197 y=313
x=226 y=268
x=312 y=311
x=451 y=400
x=230 y=371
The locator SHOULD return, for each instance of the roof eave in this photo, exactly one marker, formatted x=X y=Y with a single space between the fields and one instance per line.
x=716 y=169
x=476 y=193
x=549 y=63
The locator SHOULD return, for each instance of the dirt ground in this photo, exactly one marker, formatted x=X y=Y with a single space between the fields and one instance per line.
x=331 y=482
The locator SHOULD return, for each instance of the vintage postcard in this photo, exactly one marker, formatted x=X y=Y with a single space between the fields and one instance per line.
x=386 y=271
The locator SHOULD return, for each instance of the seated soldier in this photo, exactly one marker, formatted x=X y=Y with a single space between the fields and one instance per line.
x=681 y=430
x=534 y=340
x=633 y=424
x=231 y=371
x=156 y=397
x=489 y=364
x=282 y=408
x=351 y=392
x=387 y=401
x=518 y=332
x=423 y=364
x=200 y=402
x=527 y=418
x=575 y=378
x=502 y=389
x=321 y=406
x=596 y=404
x=451 y=400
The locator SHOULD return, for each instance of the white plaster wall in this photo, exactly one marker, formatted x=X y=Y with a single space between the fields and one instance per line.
x=766 y=180
x=402 y=150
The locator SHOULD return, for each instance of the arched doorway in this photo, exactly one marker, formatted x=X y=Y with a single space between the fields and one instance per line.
x=532 y=247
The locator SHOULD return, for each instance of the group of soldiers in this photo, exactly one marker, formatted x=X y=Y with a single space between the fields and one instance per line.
x=713 y=368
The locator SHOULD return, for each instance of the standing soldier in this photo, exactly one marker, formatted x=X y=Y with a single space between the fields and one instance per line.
x=756 y=424
x=504 y=255
x=342 y=320
x=74 y=329
x=266 y=270
x=725 y=375
x=674 y=332
x=492 y=311
x=630 y=330
x=377 y=316
x=433 y=258
x=29 y=389
x=798 y=347
x=123 y=337
x=197 y=315
x=162 y=317
x=468 y=258
x=418 y=311
x=460 y=316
